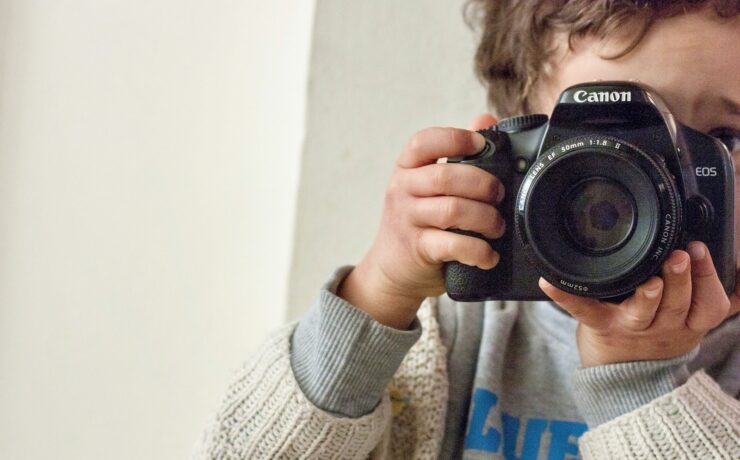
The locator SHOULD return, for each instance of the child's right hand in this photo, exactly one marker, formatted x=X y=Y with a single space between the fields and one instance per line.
x=405 y=263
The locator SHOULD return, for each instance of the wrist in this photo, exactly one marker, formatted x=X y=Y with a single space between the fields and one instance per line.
x=598 y=349
x=366 y=291
x=342 y=358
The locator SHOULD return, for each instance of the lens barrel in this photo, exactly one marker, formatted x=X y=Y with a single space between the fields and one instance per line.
x=598 y=216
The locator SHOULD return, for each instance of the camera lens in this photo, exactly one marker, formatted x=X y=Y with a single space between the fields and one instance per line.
x=599 y=214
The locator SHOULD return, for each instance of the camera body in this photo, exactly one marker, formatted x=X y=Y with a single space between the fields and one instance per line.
x=598 y=196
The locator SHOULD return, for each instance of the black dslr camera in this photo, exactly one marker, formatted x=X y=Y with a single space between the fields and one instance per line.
x=598 y=197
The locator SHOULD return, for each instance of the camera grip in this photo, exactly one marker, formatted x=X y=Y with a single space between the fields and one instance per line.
x=469 y=283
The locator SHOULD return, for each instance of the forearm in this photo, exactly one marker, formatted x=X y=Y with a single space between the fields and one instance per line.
x=342 y=358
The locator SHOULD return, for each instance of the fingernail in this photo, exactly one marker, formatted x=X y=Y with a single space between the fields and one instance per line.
x=653 y=293
x=479 y=141
x=501 y=192
x=495 y=259
x=542 y=282
x=679 y=267
x=696 y=251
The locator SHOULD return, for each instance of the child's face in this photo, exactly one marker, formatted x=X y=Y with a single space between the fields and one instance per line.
x=692 y=61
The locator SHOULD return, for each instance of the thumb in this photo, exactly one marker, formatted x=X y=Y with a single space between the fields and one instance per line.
x=482 y=121
x=735 y=297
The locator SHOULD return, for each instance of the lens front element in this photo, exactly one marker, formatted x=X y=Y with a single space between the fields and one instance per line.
x=599 y=214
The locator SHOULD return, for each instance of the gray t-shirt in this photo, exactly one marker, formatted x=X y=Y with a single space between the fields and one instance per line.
x=516 y=389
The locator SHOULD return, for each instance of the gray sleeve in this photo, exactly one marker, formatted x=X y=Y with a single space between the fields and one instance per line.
x=342 y=358
x=603 y=393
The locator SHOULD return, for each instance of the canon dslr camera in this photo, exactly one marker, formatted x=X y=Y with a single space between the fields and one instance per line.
x=598 y=197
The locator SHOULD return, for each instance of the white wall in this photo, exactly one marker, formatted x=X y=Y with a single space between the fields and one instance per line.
x=149 y=157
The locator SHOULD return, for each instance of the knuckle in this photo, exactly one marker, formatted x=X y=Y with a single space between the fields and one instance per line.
x=489 y=222
x=441 y=178
x=448 y=247
x=636 y=322
x=395 y=184
x=450 y=212
x=461 y=140
x=421 y=244
x=393 y=192
x=674 y=311
x=498 y=223
x=705 y=272
x=489 y=187
x=457 y=137
x=416 y=142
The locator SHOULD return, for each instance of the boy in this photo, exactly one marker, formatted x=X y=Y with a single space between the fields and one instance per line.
x=384 y=368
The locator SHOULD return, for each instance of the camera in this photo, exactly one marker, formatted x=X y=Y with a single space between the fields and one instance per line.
x=598 y=196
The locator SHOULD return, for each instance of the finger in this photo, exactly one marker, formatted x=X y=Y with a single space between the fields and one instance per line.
x=676 y=300
x=430 y=144
x=735 y=296
x=709 y=304
x=445 y=212
x=482 y=122
x=588 y=311
x=452 y=179
x=638 y=311
x=438 y=246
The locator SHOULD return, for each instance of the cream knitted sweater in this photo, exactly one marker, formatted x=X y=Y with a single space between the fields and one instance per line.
x=265 y=415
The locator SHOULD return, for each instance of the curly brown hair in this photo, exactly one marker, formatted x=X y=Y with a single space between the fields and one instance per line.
x=516 y=41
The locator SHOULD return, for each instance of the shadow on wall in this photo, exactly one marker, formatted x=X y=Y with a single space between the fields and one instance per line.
x=379 y=72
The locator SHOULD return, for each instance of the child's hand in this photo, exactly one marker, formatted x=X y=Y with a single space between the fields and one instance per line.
x=404 y=264
x=665 y=318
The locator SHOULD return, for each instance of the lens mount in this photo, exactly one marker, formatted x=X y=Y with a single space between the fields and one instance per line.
x=597 y=216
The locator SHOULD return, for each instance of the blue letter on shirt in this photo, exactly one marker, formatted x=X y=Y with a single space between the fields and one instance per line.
x=532 y=435
x=480 y=434
x=561 y=436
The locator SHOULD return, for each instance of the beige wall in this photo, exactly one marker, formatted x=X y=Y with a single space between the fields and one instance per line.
x=149 y=157
x=149 y=161
x=380 y=71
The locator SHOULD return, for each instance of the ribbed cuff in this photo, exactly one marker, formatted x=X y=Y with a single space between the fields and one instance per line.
x=603 y=393
x=695 y=421
x=342 y=358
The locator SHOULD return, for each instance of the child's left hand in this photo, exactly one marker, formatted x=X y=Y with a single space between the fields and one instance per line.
x=665 y=318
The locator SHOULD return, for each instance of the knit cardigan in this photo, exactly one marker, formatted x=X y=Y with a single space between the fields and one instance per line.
x=265 y=414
